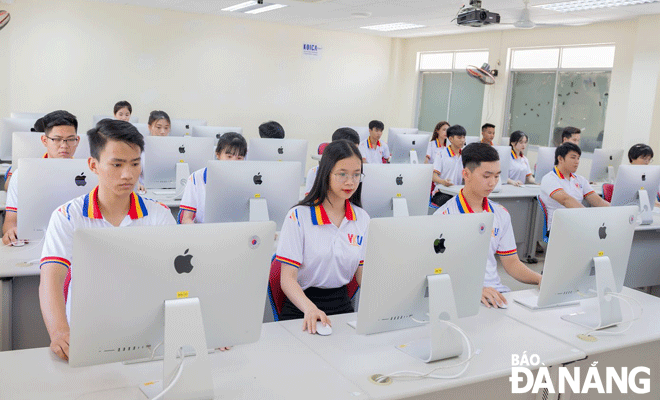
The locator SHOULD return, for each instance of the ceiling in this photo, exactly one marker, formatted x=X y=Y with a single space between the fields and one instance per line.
x=436 y=15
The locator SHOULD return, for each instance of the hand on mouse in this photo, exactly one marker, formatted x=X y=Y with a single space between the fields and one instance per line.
x=311 y=316
x=490 y=297
x=141 y=188
x=10 y=236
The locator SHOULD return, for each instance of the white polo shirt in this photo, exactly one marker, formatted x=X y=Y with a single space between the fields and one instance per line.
x=311 y=176
x=11 y=203
x=519 y=167
x=433 y=148
x=575 y=185
x=326 y=256
x=84 y=212
x=374 y=152
x=194 y=196
x=449 y=166
x=502 y=240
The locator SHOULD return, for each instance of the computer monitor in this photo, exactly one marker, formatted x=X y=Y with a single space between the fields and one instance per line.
x=183 y=127
x=472 y=139
x=396 y=190
x=214 y=131
x=163 y=153
x=46 y=184
x=363 y=131
x=587 y=256
x=403 y=144
x=179 y=286
x=637 y=185
x=505 y=162
x=395 y=131
x=28 y=145
x=7 y=127
x=279 y=150
x=142 y=128
x=605 y=165
x=545 y=162
x=437 y=270
x=97 y=118
x=251 y=190
x=28 y=115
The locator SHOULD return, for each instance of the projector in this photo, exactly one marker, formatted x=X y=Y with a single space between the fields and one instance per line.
x=474 y=15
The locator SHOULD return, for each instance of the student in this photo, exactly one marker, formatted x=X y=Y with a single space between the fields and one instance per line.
x=38 y=127
x=61 y=140
x=481 y=174
x=571 y=134
x=271 y=130
x=322 y=242
x=437 y=141
x=487 y=133
x=123 y=111
x=519 y=171
x=115 y=148
x=562 y=188
x=372 y=150
x=342 y=133
x=640 y=154
x=448 y=166
x=231 y=146
x=159 y=123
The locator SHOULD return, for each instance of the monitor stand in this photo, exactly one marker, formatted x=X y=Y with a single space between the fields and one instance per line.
x=400 y=207
x=443 y=341
x=610 y=174
x=184 y=327
x=413 y=157
x=181 y=178
x=609 y=309
x=258 y=210
x=645 y=209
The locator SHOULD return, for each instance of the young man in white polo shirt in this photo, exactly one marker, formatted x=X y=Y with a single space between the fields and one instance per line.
x=448 y=166
x=115 y=148
x=571 y=134
x=481 y=174
x=487 y=133
x=61 y=140
x=561 y=188
x=372 y=149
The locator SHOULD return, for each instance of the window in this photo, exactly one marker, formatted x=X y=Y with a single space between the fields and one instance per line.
x=553 y=88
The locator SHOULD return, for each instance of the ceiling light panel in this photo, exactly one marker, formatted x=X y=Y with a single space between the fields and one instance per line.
x=398 y=26
x=582 y=5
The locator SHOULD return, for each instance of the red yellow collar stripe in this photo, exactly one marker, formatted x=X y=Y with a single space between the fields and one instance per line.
x=560 y=175
x=371 y=144
x=137 y=208
x=451 y=152
x=465 y=208
x=45 y=155
x=320 y=217
x=514 y=155
x=438 y=143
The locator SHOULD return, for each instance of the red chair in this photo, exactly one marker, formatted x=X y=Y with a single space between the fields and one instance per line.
x=277 y=296
x=608 y=188
x=322 y=147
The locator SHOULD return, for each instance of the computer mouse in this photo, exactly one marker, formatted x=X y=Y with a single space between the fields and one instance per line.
x=499 y=305
x=323 y=330
x=19 y=243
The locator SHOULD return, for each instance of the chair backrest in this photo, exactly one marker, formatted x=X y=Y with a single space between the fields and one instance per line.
x=277 y=296
x=608 y=189
x=322 y=147
x=545 y=219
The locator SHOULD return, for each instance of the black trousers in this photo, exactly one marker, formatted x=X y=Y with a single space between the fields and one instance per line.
x=330 y=301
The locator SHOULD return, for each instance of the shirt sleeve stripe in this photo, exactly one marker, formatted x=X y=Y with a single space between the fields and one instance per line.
x=555 y=191
x=361 y=263
x=191 y=209
x=11 y=209
x=593 y=191
x=507 y=253
x=287 y=261
x=55 y=260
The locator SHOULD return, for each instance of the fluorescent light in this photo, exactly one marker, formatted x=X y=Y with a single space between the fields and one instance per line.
x=240 y=6
x=267 y=8
x=581 y=5
x=392 y=27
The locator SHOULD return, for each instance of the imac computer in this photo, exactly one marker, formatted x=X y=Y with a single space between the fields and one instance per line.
x=545 y=162
x=28 y=145
x=168 y=160
x=363 y=131
x=396 y=190
x=436 y=274
x=409 y=148
x=46 y=184
x=97 y=118
x=142 y=128
x=637 y=185
x=605 y=164
x=214 y=131
x=279 y=150
x=505 y=163
x=28 y=115
x=182 y=288
x=587 y=256
x=472 y=139
x=183 y=127
x=396 y=131
x=7 y=128
x=251 y=190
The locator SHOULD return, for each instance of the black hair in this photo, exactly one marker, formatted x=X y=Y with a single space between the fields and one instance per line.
x=156 y=115
x=347 y=134
x=271 y=130
x=232 y=143
x=456 y=130
x=375 y=124
x=38 y=126
x=564 y=149
x=113 y=129
x=436 y=131
x=122 y=104
x=517 y=137
x=639 y=150
x=335 y=151
x=568 y=132
x=59 y=118
x=486 y=126
x=475 y=153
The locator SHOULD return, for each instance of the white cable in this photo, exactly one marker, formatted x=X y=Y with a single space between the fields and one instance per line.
x=176 y=378
x=629 y=322
x=153 y=352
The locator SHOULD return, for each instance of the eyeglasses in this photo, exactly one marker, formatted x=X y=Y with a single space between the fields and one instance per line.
x=343 y=177
x=69 y=142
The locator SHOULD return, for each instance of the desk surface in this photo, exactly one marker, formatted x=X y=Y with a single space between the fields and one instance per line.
x=508 y=191
x=20 y=261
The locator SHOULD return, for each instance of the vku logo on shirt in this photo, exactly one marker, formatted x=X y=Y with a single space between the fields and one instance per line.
x=355 y=240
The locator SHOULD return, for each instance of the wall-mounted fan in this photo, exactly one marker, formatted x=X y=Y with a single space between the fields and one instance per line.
x=4 y=18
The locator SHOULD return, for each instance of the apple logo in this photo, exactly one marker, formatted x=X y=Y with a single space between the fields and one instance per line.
x=257 y=179
x=439 y=245
x=280 y=150
x=80 y=180
x=399 y=180
x=182 y=149
x=643 y=177
x=611 y=158
x=182 y=263
x=413 y=142
x=601 y=232
x=187 y=126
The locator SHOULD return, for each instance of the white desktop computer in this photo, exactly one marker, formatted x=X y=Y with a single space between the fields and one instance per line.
x=545 y=162
x=637 y=185
x=7 y=128
x=409 y=148
x=279 y=150
x=28 y=145
x=396 y=190
x=605 y=164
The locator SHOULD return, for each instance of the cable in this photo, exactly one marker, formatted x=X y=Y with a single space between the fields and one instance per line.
x=630 y=322
x=176 y=378
x=153 y=352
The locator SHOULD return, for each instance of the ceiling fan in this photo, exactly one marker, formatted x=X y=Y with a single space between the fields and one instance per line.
x=525 y=21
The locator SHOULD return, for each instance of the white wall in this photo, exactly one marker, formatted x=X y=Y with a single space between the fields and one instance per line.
x=84 y=56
